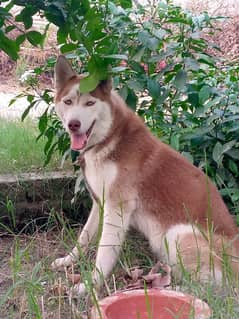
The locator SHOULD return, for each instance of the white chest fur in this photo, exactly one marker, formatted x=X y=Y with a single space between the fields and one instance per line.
x=100 y=174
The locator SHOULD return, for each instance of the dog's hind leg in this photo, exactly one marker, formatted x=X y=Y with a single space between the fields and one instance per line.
x=87 y=233
x=189 y=252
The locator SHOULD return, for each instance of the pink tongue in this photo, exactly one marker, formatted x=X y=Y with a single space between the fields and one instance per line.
x=78 y=141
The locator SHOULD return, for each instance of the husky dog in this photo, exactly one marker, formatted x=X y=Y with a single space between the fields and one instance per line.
x=144 y=184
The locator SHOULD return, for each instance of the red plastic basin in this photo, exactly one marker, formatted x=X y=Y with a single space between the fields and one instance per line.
x=155 y=304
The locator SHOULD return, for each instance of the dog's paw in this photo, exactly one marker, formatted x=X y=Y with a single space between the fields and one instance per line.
x=61 y=262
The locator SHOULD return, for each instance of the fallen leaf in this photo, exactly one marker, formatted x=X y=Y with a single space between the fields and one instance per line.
x=136 y=273
x=151 y=277
x=158 y=277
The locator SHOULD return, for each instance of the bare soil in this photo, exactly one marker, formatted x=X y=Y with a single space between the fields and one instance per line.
x=9 y=85
x=24 y=267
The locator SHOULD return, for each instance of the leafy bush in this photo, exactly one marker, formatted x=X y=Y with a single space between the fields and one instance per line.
x=161 y=66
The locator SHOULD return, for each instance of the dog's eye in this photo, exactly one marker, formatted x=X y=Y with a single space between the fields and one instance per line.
x=68 y=102
x=90 y=103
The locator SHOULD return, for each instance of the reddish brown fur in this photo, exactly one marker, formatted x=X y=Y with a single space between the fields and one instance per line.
x=172 y=188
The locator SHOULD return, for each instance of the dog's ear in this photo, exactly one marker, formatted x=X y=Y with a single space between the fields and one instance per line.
x=105 y=86
x=63 y=72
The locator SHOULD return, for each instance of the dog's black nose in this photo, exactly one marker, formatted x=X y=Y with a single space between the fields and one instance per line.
x=74 y=125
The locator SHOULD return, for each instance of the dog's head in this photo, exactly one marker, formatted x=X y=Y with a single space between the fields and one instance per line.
x=86 y=117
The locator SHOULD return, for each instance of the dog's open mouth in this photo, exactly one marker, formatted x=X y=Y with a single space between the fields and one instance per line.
x=79 y=141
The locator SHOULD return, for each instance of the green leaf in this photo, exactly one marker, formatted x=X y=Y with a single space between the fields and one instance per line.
x=56 y=13
x=235 y=196
x=147 y=40
x=204 y=94
x=162 y=97
x=13 y=100
x=10 y=47
x=123 y=92
x=125 y=3
x=233 y=167
x=89 y=83
x=169 y=76
x=193 y=96
x=20 y=39
x=50 y=133
x=153 y=88
x=191 y=64
x=50 y=152
x=138 y=56
x=116 y=56
x=233 y=154
x=203 y=58
x=174 y=141
x=28 y=21
x=9 y=28
x=131 y=99
x=178 y=20
x=62 y=34
x=25 y=16
x=35 y=37
x=234 y=128
x=135 y=85
x=217 y=153
x=228 y=146
x=42 y=124
x=30 y=98
x=97 y=65
x=219 y=150
x=159 y=33
x=180 y=79
x=27 y=110
x=119 y=69
x=68 y=47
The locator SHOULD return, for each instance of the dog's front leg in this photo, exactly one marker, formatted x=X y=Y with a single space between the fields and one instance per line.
x=115 y=226
x=84 y=239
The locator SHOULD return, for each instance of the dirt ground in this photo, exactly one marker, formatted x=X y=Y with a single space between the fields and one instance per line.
x=9 y=85
x=24 y=268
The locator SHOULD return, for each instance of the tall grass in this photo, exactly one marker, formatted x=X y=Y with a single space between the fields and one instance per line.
x=19 y=150
x=33 y=284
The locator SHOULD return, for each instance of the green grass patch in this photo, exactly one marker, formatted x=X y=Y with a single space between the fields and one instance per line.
x=19 y=150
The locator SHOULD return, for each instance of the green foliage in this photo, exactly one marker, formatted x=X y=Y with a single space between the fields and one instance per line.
x=161 y=67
